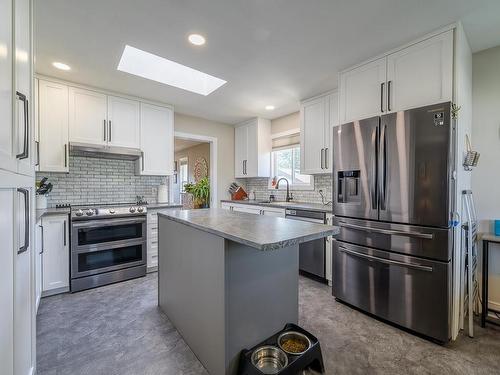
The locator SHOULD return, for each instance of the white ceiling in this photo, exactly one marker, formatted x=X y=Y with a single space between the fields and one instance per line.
x=270 y=51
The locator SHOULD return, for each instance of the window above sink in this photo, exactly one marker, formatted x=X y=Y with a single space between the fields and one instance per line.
x=285 y=162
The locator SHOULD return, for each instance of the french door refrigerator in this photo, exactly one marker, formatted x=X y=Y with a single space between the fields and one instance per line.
x=393 y=189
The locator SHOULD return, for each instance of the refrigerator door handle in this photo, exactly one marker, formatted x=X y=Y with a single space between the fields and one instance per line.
x=386 y=261
x=426 y=236
x=383 y=168
x=373 y=185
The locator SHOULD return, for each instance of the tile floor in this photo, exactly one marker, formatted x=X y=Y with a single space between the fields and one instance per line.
x=118 y=329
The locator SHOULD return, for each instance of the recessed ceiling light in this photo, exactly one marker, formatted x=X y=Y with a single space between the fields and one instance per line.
x=61 y=66
x=269 y=107
x=196 y=39
x=159 y=69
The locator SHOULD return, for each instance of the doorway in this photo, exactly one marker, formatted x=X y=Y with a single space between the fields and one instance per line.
x=194 y=159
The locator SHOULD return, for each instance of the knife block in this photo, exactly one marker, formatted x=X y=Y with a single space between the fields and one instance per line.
x=239 y=195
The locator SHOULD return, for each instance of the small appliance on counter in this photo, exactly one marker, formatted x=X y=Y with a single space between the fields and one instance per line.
x=237 y=192
x=162 y=194
x=42 y=190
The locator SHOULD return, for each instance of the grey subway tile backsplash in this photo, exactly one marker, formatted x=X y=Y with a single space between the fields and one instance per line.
x=93 y=180
x=262 y=192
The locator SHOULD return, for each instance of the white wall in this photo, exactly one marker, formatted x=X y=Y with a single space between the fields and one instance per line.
x=225 y=143
x=486 y=140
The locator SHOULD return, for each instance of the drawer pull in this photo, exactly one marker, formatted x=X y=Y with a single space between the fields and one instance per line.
x=386 y=261
x=427 y=236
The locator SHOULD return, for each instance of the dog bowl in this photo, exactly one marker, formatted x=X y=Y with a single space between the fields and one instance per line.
x=269 y=359
x=294 y=343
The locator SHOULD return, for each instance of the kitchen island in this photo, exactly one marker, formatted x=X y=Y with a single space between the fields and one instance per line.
x=227 y=280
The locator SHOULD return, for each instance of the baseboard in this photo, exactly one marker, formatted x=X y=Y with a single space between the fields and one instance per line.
x=152 y=269
x=48 y=293
x=494 y=305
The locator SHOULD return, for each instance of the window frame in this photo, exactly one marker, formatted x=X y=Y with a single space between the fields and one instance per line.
x=293 y=185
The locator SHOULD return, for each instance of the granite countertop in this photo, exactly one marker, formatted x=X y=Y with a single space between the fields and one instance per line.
x=260 y=232
x=290 y=205
x=51 y=211
x=154 y=206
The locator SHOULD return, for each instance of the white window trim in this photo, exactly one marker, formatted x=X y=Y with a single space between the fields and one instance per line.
x=282 y=186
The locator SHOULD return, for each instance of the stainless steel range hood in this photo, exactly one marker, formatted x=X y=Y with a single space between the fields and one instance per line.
x=104 y=152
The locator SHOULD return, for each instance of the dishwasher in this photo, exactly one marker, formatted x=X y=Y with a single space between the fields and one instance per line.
x=312 y=253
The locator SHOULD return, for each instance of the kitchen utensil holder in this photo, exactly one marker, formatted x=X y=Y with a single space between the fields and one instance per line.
x=310 y=359
x=471 y=157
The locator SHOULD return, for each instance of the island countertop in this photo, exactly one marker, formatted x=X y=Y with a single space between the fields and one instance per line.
x=260 y=232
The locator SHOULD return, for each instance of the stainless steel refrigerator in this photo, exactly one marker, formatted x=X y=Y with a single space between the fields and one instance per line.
x=393 y=201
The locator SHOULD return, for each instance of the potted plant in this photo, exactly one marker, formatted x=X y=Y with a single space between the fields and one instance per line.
x=200 y=192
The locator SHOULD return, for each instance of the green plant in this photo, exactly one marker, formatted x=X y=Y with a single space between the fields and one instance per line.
x=200 y=191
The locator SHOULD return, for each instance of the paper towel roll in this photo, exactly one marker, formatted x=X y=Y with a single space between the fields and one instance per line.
x=162 y=194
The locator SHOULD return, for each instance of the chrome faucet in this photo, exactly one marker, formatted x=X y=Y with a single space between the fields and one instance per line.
x=288 y=197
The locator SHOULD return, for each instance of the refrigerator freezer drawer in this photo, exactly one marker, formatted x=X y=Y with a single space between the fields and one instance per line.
x=411 y=292
x=427 y=242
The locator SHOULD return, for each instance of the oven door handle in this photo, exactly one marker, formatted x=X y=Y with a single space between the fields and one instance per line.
x=99 y=223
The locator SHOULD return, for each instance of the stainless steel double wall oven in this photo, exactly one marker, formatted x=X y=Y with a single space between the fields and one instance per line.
x=108 y=244
x=393 y=201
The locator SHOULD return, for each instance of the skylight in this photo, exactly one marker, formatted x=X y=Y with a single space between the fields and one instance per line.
x=159 y=69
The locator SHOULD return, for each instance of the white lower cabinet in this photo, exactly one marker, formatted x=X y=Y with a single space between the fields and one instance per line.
x=55 y=254
x=152 y=241
x=254 y=209
x=38 y=262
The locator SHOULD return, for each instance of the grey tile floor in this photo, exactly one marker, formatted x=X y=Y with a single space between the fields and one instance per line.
x=118 y=329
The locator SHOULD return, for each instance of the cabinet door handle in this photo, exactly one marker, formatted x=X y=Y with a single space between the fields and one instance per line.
x=25 y=193
x=65 y=155
x=25 y=153
x=64 y=233
x=382 y=97
x=326 y=158
x=41 y=233
x=142 y=160
x=389 y=95
x=109 y=133
x=104 y=130
x=37 y=153
x=322 y=158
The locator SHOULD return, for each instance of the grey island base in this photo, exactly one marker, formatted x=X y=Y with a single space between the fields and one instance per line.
x=228 y=280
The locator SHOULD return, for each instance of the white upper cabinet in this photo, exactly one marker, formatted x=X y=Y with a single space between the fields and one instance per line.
x=53 y=127
x=87 y=116
x=7 y=149
x=55 y=237
x=421 y=74
x=414 y=76
x=123 y=122
x=240 y=150
x=252 y=148
x=361 y=91
x=317 y=116
x=23 y=129
x=156 y=140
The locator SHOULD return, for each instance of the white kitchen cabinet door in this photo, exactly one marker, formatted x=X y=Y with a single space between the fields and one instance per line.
x=53 y=127
x=247 y=209
x=123 y=122
x=252 y=158
x=313 y=120
x=23 y=129
x=38 y=263
x=240 y=150
x=87 y=116
x=157 y=141
x=421 y=74
x=55 y=253
x=333 y=118
x=23 y=286
x=7 y=230
x=362 y=91
x=7 y=147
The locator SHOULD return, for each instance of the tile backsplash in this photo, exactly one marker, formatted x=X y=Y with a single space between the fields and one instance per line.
x=260 y=187
x=92 y=180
